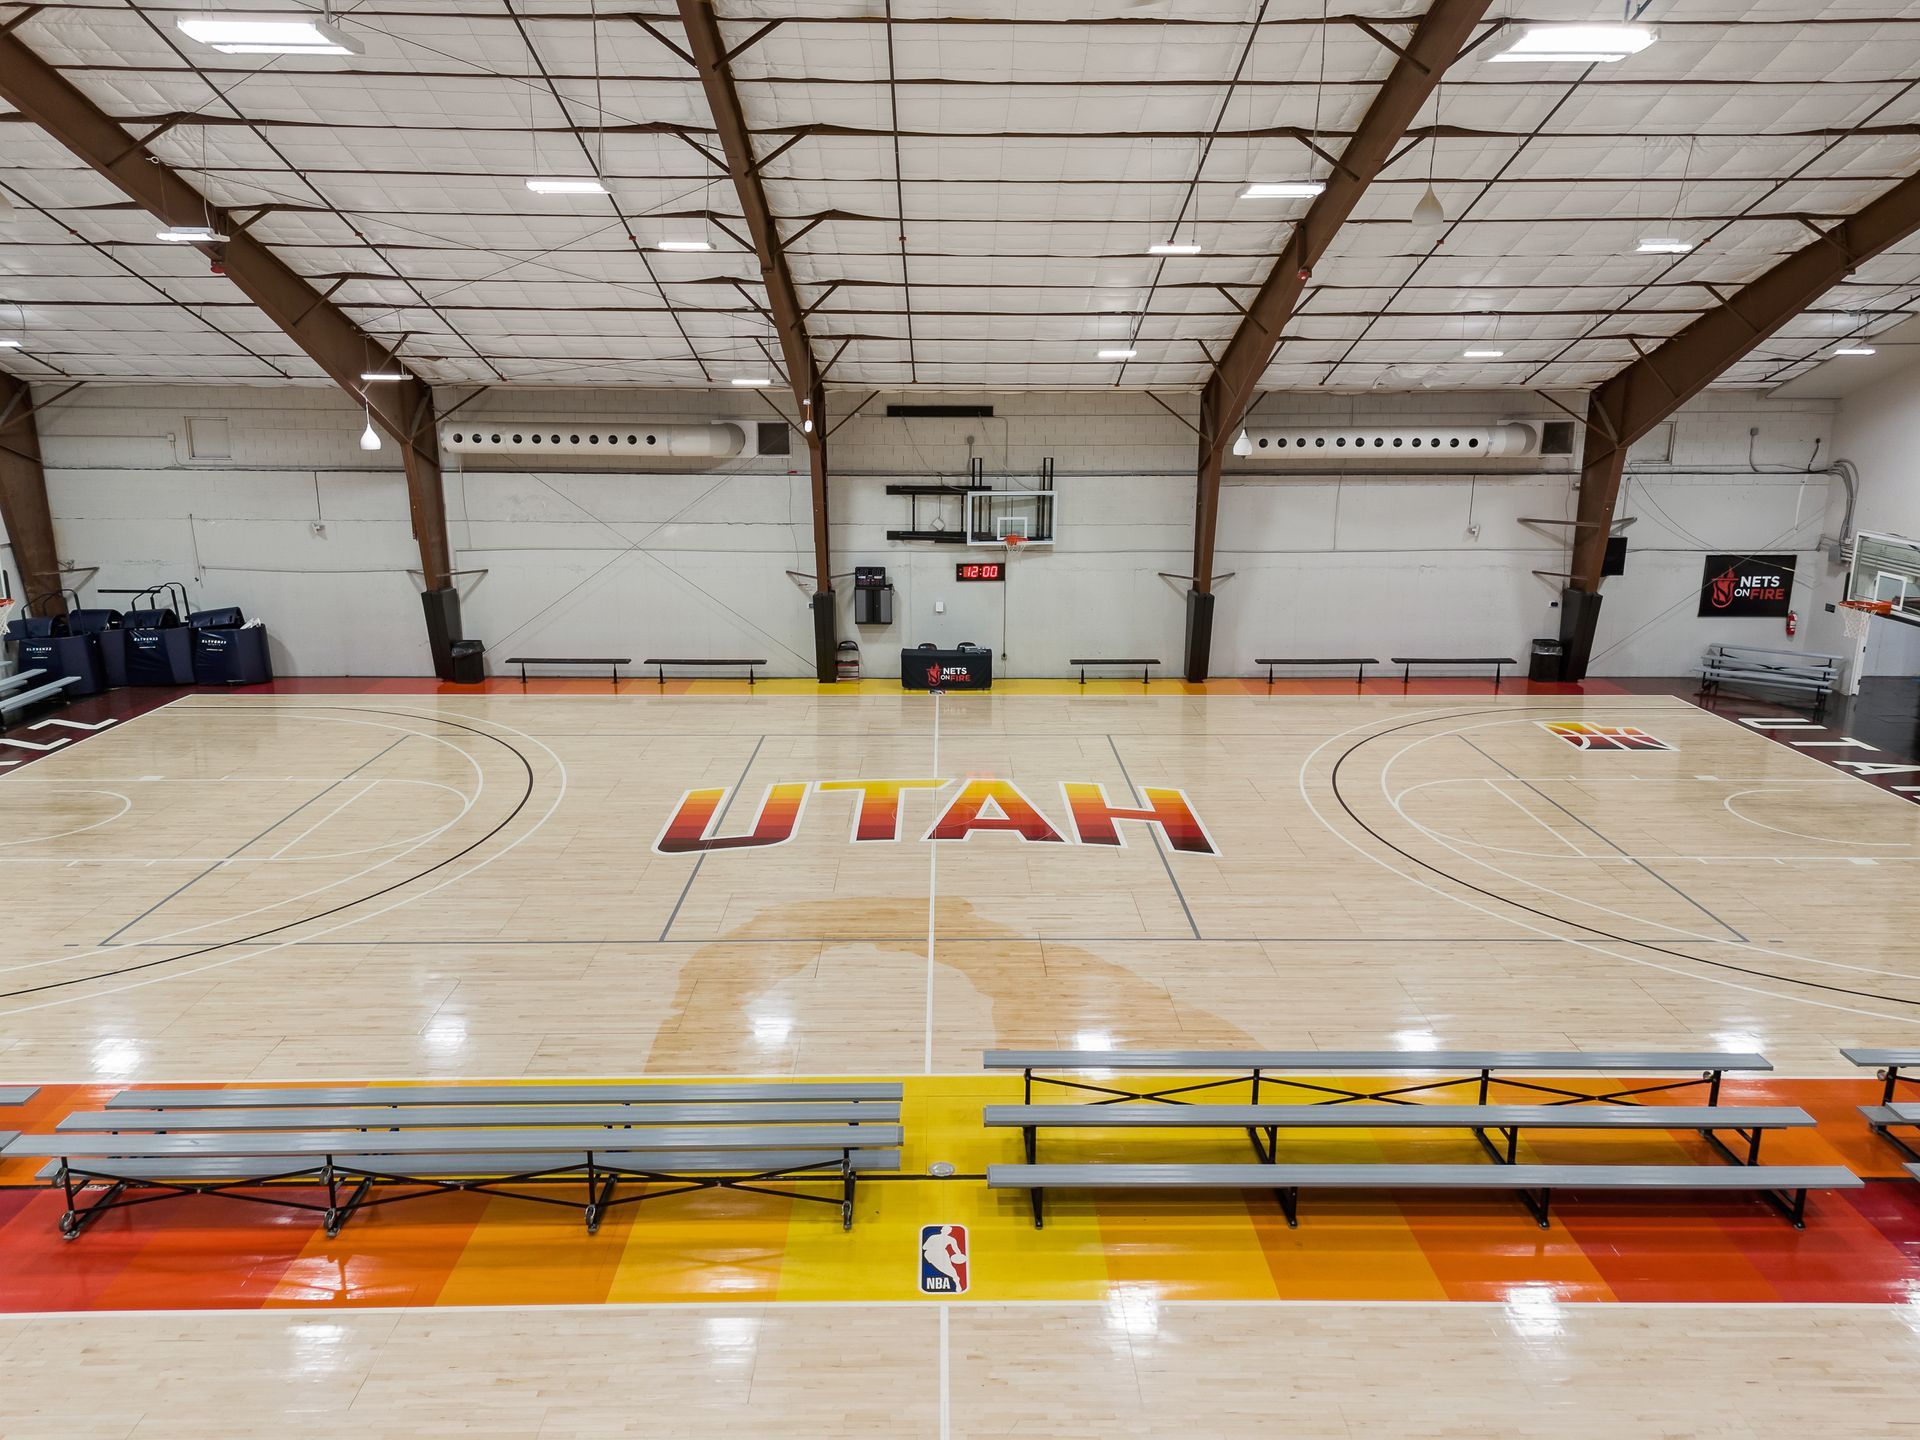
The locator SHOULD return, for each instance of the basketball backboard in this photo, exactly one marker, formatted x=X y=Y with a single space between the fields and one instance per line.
x=994 y=515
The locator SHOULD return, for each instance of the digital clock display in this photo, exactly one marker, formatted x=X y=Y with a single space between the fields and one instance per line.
x=980 y=570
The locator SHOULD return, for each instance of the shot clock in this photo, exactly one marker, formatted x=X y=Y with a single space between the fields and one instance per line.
x=980 y=570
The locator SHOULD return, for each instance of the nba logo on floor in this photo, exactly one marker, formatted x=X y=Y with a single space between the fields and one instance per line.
x=944 y=1269
x=1582 y=736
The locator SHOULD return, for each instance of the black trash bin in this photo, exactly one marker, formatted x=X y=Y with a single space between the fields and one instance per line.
x=1549 y=660
x=469 y=662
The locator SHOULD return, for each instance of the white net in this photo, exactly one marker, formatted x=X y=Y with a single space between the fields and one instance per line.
x=1858 y=622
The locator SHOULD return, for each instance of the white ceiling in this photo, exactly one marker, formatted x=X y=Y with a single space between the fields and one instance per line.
x=1039 y=150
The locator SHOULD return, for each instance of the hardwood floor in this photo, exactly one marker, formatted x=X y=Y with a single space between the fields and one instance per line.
x=1529 y=1370
x=369 y=885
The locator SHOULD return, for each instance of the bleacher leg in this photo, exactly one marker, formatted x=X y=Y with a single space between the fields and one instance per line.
x=1892 y=1077
x=846 y=1192
x=1289 y=1199
x=592 y=1213
x=1538 y=1207
x=1713 y=1086
x=1033 y=1196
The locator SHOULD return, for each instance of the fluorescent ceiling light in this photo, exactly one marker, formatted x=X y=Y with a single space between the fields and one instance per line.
x=1842 y=350
x=1116 y=354
x=1482 y=354
x=382 y=375
x=1663 y=245
x=754 y=380
x=189 y=235
x=267 y=35
x=554 y=186
x=1586 y=43
x=21 y=345
x=684 y=245
x=1173 y=249
x=1282 y=189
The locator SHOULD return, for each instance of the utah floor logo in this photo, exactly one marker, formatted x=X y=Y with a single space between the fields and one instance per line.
x=1582 y=736
x=944 y=1269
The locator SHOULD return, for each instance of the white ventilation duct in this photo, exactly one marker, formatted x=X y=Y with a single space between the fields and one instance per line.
x=643 y=439
x=1318 y=444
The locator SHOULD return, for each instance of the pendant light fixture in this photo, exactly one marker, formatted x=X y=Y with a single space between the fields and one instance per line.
x=1428 y=212
x=369 y=437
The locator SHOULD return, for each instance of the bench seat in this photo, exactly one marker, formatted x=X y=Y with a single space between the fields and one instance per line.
x=10 y=703
x=518 y=1095
x=17 y=1094
x=320 y=1143
x=1401 y=1117
x=18 y=678
x=214 y=1169
x=458 y=1116
x=1319 y=1062
x=1774 y=1181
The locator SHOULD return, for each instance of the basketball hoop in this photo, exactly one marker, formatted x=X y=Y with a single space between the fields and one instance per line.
x=1857 y=616
x=1014 y=539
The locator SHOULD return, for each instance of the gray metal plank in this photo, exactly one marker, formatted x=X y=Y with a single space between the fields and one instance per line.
x=431 y=1142
x=454 y=1116
x=1438 y=1177
x=19 y=678
x=1319 y=1062
x=1401 y=1117
x=17 y=1094
x=1875 y=1059
x=534 y=1094
x=1899 y=1114
x=7 y=1137
x=510 y=1163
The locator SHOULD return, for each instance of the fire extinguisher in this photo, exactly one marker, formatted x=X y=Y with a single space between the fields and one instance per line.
x=1793 y=622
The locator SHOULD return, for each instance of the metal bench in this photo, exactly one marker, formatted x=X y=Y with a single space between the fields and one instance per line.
x=1498 y=662
x=452 y=1117
x=1887 y=1066
x=17 y=1094
x=1359 y=664
x=1146 y=667
x=1750 y=667
x=53 y=688
x=1486 y=1068
x=1750 y=1122
x=1783 y=1186
x=729 y=664
x=611 y=662
x=530 y=1095
x=249 y=1166
x=18 y=678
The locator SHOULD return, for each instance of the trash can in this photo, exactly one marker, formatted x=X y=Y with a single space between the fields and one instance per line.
x=1549 y=660
x=469 y=662
x=847 y=661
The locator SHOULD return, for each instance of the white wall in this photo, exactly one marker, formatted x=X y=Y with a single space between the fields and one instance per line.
x=1878 y=429
x=695 y=561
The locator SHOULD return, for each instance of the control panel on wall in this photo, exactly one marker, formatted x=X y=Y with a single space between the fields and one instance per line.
x=872 y=596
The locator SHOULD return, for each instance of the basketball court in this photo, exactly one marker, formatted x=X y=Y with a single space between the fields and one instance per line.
x=959 y=719
x=380 y=882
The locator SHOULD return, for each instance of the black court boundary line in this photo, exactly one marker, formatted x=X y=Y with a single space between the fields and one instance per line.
x=1338 y=795
x=1618 y=849
x=187 y=885
x=718 y=821
x=525 y=795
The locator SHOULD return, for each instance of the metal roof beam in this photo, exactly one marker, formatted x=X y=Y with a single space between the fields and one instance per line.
x=711 y=57
x=404 y=409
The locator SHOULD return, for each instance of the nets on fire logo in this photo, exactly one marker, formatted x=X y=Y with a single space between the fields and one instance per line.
x=944 y=1267
x=1582 y=736
x=1746 y=585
